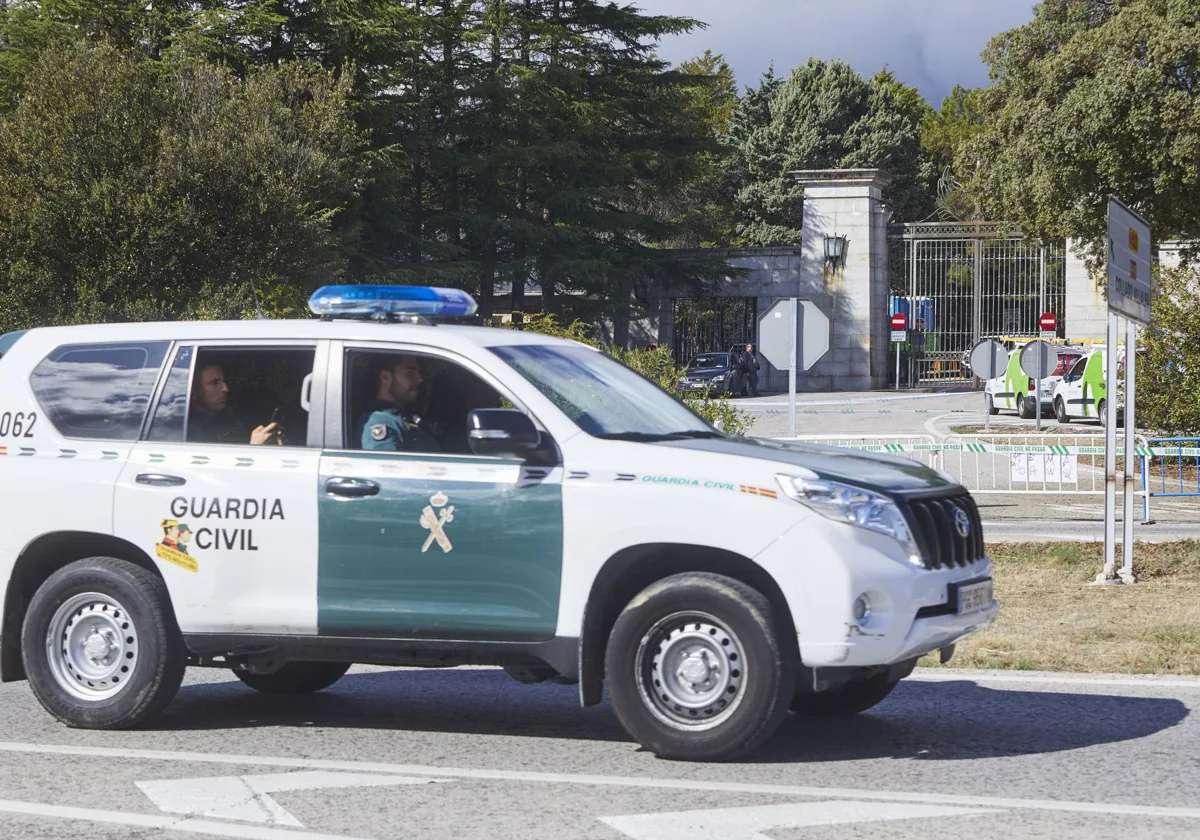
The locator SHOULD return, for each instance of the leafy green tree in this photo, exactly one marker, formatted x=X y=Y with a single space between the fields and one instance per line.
x=1170 y=370
x=132 y=190
x=944 y=132
x=824 y=116
x=1093 y=97
x=508 y=140
x=701 y=209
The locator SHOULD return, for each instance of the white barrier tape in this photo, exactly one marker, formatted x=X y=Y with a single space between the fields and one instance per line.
x=1004 y=448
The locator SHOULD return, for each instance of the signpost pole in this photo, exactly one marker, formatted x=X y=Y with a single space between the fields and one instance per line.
x=1037 y=387
x=792 y=374
x=1110 y=449
x=897 y=366
x=1130 y=458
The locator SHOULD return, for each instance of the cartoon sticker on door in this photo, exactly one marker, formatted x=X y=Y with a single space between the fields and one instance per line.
x=174 y=545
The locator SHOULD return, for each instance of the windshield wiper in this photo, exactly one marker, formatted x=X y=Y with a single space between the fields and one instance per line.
x=649 y=437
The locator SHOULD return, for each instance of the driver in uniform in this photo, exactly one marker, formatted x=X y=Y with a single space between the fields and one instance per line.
x=388 y=422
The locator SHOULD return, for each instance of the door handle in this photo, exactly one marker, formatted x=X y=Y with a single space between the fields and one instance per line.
x=160 y=480
x=351 y=488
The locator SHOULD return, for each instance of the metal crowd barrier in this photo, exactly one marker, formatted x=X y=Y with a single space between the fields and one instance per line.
x=1003 y=464
x=1172 y=468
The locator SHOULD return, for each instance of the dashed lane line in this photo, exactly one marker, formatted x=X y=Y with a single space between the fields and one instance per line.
x=1119 y=809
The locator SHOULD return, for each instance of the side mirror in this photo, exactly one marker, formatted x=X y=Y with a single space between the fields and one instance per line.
x=499 y=432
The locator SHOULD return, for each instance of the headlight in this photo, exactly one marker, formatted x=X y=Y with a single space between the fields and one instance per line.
x=854 y=506
x=718 y=380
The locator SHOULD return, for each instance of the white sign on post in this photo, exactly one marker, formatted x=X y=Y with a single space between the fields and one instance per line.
x=1038 y=360
x=1130 y=295
x=988 y=359
x=792 y=335
x=1130 y=283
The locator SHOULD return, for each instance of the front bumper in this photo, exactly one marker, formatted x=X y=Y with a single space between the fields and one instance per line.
x=823 y=566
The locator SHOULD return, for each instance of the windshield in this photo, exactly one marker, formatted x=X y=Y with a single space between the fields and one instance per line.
x=1065 y=360
x=602 y=396
x=709 y=360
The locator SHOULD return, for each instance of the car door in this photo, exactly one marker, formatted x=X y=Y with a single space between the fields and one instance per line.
x=430 y=544
x=1071 y=388
x=1092 y=385
x=232 y=526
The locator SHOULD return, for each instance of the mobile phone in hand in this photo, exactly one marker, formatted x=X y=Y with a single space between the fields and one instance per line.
x=277 y=414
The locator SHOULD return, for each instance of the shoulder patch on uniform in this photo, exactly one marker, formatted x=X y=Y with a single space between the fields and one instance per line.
x=378 y=431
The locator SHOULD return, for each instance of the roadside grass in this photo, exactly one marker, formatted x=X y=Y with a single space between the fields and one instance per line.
x=1050 y=620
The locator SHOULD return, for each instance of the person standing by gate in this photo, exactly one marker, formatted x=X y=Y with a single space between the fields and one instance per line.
x=750 y=368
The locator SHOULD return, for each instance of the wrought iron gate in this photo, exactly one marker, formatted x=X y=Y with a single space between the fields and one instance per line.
x=959 y=282
x=713 y=324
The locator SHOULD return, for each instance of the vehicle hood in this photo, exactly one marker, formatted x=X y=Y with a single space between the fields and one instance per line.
x=697 y=373
x=886 y=474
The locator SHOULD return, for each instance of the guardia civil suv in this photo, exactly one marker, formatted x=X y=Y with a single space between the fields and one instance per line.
x=284 y=498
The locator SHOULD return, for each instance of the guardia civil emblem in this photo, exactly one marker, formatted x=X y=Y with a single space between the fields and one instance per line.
x=434 y=518
x=378 y=431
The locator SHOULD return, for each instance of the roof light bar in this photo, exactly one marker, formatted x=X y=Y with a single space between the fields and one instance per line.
x=385 y=301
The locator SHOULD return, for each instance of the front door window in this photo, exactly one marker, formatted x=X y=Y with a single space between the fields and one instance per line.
x=420 y=537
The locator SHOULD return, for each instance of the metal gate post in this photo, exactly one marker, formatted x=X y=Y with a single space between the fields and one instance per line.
x=977 y=292
x=1042 y=286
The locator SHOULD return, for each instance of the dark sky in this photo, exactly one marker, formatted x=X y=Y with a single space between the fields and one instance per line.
x=932 y=44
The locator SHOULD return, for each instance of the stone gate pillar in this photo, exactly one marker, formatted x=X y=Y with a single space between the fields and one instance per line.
x=849 y=202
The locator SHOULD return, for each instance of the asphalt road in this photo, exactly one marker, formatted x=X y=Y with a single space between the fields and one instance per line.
x=467 y=753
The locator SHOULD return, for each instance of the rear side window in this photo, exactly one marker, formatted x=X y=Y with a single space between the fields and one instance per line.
x=98 y=391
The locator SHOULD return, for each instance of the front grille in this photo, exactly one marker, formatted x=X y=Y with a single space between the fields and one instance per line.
x=933 y=525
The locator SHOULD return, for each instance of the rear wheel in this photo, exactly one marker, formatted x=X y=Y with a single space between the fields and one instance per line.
x=847 y=699
x=695 y=669
x=100 y=645
x=1023 y=408
x=295 y=677
x=1060 y=410
x=990 y=405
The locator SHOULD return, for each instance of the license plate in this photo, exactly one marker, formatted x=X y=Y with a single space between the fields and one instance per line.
x=973 y=597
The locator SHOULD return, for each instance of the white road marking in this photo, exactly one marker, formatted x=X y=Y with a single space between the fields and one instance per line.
x=749 y=823
x=247 y=798
x=1149 y=681
x=187 y=826
x=1170 y=812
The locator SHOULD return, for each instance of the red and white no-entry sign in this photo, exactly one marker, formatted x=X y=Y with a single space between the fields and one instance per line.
x=899 y=321
x=1048 y=321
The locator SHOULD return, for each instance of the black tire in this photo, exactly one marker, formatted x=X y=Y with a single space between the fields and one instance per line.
x=990 y=404
x=1024 y=411
x=1060 y=411
x=848 y=699
x=1100 y=415
x=139 y=672
x=295 y=677
x=746 y=696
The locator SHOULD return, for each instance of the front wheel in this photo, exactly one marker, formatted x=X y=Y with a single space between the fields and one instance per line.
x=295 y=677
x=990 y=404
x=847 y=699
x=695 y=669
x=100 y=645
x=1060 y=411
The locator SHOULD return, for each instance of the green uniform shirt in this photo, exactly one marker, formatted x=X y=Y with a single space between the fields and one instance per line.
x=385 y=428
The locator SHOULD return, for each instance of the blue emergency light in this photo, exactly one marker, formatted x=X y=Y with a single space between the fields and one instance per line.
x=385 y=302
